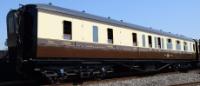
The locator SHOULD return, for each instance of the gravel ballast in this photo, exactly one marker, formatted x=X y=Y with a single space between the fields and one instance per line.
x=164 y=79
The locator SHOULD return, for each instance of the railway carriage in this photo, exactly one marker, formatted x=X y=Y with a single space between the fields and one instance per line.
x=64 y=42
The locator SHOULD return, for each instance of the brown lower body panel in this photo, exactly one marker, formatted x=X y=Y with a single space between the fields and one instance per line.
x=56 y=49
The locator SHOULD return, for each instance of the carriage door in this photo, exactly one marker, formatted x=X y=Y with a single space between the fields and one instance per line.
x=198 y=44
x=196 y=47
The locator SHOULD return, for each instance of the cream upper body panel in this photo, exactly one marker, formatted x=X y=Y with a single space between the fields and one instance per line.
x=50 y=26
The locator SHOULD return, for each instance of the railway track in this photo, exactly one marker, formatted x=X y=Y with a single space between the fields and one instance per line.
x=145 y=80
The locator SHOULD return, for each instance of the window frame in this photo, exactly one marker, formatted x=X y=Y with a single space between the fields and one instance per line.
x=169 y=44
x=134 y=39
x=95 y=34
x=67 y=30
x=143 y=40
x=185 y=46
x=162 y=43
x=178 y=45
x=150 y=43
x=159 y=44
x=110 y=36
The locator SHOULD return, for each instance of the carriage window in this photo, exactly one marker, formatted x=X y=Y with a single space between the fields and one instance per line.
x=178 y=45
x=67 y=30
x=185 y=46
x=95 y=34
x=169 y=44
x=143 y=40
x=110 y=35
x=150 y=41
x=134 y=36
x=159 y=42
